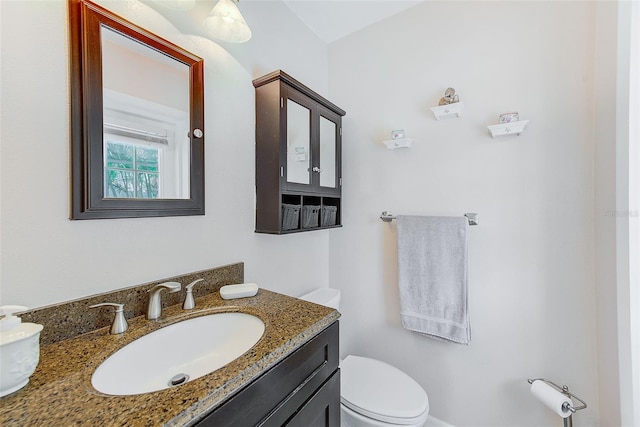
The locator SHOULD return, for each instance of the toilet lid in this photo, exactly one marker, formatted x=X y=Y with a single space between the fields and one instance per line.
x=380 y=391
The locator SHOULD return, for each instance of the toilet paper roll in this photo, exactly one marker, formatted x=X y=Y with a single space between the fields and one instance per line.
x=552 y=398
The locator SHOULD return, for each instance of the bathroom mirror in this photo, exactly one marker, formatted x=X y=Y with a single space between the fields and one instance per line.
x=298 y=143
x=137 y=120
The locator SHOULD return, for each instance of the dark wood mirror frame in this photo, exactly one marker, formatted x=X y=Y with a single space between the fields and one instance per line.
x=87 y=176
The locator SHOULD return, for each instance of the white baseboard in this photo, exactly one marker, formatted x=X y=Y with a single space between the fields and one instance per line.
x=434 y=422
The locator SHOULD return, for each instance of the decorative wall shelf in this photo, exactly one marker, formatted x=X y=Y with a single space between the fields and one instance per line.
x=449 y=110
x=508 y=128
x=392 y=144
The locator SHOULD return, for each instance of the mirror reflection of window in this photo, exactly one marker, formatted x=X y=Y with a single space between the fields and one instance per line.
x=145 y=121
x=131 y=171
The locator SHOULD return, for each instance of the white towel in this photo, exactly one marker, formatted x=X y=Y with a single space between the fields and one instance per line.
x=432 y=270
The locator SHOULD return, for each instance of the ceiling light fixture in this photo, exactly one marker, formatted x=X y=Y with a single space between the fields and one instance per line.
x=225 y=22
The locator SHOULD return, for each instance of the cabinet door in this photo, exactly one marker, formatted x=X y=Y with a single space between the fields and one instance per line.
x=300 y=380
x=313 y=145
x=323 y=409
x=327 y=162
x=299 y=130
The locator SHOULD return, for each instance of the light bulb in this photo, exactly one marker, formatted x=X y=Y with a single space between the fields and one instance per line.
x=225 y=22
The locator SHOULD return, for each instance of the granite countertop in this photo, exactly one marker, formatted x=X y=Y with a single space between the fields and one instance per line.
x=60 y=391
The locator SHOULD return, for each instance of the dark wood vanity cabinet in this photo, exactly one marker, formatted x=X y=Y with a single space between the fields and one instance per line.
x=298 y=157
x=303 y=390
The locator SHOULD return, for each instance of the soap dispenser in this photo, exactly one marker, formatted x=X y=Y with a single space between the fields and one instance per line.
x=19 y=349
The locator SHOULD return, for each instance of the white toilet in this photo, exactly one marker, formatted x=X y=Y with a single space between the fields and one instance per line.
x=374 y=393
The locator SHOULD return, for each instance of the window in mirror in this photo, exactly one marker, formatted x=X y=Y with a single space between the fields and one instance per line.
x=131 y=171
x=134 y=127
x=137 y=115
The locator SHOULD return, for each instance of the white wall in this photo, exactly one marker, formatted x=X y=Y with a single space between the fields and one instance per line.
x=46 y=258
x=605 y=206
x=627 y=206
x=532 y=286
x=617 y=195
x=533 y=294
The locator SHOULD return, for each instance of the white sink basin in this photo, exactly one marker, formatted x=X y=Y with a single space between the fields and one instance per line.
x=177 y=353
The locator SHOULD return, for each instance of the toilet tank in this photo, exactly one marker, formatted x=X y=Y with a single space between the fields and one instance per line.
x=325 y=296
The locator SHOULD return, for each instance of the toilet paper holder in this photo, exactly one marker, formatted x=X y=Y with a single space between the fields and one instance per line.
x=568 y=422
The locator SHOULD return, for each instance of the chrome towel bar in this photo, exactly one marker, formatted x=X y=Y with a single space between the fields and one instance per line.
x=387 y=216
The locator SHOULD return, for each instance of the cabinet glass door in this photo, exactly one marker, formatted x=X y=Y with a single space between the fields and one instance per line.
x=327 y=153
x=298 y=143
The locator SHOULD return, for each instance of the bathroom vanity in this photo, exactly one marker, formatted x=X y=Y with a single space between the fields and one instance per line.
x=290 y=377
x=302 y=390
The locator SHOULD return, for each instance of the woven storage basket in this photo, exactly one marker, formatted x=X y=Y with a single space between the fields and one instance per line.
x=290 y=216
x=328 y=216
x=310 y=216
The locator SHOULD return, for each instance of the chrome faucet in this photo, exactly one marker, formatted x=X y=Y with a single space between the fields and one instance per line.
x=155 y=304
x=119 y=324
x=189 y=302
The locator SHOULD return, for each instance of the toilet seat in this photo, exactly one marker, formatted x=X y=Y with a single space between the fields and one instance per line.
x=382 y=392
x=324 y=296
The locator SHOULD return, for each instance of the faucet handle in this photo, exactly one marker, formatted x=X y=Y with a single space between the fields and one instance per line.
x=171 y=287
x=189 y=302
x=119 y=324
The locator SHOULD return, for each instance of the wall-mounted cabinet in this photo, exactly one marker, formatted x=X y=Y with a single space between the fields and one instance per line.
x=298 y=157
